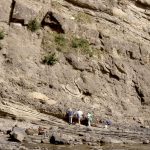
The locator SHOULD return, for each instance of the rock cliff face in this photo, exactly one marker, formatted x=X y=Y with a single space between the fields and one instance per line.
x=108 y=73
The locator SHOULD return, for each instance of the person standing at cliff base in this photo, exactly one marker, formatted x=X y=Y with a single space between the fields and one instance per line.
x=79 y=116
x=89 y=118
x=70 y=115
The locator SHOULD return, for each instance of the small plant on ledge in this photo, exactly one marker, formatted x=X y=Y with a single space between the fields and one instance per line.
x=1 y=46
x=82 y=45
x=50 y=59
x=60 y=40
x=33 y=25
x=2 y=35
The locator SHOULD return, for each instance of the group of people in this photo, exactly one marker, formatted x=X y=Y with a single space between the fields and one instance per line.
x=79 y=115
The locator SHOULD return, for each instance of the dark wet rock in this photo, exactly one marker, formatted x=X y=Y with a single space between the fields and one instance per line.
x=8 y=131
x=58 y=138
x=105 y=140
x=146 y=141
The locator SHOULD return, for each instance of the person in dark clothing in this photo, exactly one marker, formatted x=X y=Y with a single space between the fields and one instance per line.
x=70 y=115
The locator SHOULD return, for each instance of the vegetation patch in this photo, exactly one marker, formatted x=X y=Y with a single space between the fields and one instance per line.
x=2 y=35
x=83 y=18
x=60 y=40
x=1 y=46
x=56 y=5
x=81 y=45
x=50 y=59
x=34 y=25
x=67 y=43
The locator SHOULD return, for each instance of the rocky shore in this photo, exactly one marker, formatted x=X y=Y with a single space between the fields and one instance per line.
x=20 y=135
x=91 y=55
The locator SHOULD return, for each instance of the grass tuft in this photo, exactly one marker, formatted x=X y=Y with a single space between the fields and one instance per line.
x=2 y=35
x=50 y=59
x=34 y=25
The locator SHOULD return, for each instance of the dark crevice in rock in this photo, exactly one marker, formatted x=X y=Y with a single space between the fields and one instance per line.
x=141 y=5
x=7 y=115
x=21 y=21
x=130 y=54
x=102 y=43
x=104 y=70
x=78 y=87
x=140 y=94
x=81 y=4
x=100 y=36
x=51 y=86
x=50 y=21
x=87 y=93
x=12 y=10
x=14 y=20
x=114 y=76
x=120 y=69
x=112 y=21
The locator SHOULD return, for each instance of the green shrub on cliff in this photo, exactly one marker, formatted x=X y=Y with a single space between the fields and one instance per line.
x=2 y=35
x=1 y=46
x=83 y=17
x=33 y=25
x=50 y=59
x=60 y=40
x=82 y=45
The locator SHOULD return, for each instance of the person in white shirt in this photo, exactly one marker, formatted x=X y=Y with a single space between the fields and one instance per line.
x=89 y=117
x=79 y=116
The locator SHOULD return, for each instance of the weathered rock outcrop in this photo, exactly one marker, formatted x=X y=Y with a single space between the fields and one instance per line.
x=17 y=134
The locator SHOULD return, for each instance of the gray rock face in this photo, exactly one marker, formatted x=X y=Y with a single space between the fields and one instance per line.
x=5 y=8
x=18 y=134
x=24 y=12
x=146 y=142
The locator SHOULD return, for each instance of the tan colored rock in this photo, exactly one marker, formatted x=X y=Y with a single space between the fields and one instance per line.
x=40 y=96
x=36 y=95
x=118 y=13
x=5 y=9
x=89 y=32
x=25 y=11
